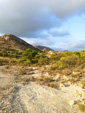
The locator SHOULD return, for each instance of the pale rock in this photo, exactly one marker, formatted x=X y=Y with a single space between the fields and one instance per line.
x=46 y=74
x=76 y=73
x=56 y=77
x=65 y=77
x=72 y=102
x=62 y=85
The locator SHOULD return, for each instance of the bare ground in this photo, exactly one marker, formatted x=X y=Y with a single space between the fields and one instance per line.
x=33 y=98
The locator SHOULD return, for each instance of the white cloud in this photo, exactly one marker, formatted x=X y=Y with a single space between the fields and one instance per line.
x=78 y=45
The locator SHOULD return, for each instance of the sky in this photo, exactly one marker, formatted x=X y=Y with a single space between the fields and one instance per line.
x=58 y=24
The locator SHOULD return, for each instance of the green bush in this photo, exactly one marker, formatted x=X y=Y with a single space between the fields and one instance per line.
x=28 y=56
x=24 y=59
x=29 y=53
x=82 y=107
x=76 y=53
x=57 y=56
x=67 y=53
x=42 y=59
x=47 y=79
x=15 y=55
x=53 y=67
x=5 y=54
x=68 y=61
x=82 y=54
x=1 y=54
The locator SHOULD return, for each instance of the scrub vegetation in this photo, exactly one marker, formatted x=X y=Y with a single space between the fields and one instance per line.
x=59 y=60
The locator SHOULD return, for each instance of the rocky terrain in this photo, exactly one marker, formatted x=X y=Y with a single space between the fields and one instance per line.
x=21 y=91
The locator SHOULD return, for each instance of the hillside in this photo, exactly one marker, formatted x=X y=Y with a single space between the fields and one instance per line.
x=43 y=48
x=13 y=42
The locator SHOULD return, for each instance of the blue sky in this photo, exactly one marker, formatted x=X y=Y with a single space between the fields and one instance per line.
x=58 y=24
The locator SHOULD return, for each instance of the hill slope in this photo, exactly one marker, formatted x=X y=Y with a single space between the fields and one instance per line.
x=13 y=42
x=43 y=48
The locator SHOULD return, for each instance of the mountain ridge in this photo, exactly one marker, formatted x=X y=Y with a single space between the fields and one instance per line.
x=43 y=48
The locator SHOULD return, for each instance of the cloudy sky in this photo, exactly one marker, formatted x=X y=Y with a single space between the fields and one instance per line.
x=59 y=24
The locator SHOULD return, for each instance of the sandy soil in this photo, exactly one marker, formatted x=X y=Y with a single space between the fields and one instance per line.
x=34 y=98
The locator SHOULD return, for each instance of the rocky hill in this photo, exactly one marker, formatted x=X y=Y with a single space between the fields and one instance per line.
x=13 y=42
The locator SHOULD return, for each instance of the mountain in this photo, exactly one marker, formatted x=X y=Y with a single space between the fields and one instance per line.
x=13 y=42
x=43 y=48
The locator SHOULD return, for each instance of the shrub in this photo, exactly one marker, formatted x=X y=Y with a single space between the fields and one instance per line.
x=61 y=65
x=28 y=56
x=15 y=55
x=24 y=59
x=47 y=79
x=67 y=53
x=5 y=54
x=53 y=85
x=83 y=83
x=42 y=59
x=76 y=53
x=53 y=56
x=57 y=56
x=1 y=53
x=53 y=67
x=82 y=107
x=29 y=53
x=68 y=61
x=82 y=54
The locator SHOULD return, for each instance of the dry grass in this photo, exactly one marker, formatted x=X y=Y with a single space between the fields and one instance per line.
x=83 y=83
x=7 y=61
x=1 y=96
x=47 y=79
x=6 y=87
x=66 y=71
x=22 y=71
x=72 y=81
x=7 y=66
x=25 y=81
x=75 y=76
